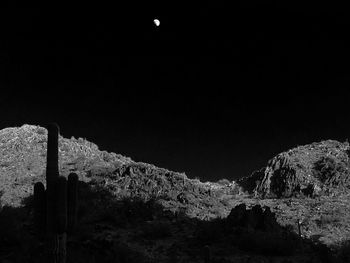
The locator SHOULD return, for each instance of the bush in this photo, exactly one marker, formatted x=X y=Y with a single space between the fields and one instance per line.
x=327 y=219
x=223 y=182
x=235 y=190
x=327 y=167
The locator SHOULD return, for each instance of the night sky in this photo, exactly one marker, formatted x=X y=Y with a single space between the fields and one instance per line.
x=215 y=91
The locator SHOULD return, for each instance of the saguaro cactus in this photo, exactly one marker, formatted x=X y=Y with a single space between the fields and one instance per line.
x=40 y=209
x=61 y=205
x=72 y=202
x=56 y=208
x=61 y=218
x=52 y=174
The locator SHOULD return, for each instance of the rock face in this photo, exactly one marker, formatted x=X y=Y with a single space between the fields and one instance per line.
x=310 y=170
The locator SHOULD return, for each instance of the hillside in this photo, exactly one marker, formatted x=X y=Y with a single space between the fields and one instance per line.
x=23 y=163
x=136 y=212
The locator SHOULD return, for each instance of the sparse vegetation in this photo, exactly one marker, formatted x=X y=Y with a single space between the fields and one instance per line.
x=327 y=219
x=224 y=182
x=325 y=168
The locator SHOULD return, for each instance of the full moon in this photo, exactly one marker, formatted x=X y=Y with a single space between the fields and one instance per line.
x=156 y=22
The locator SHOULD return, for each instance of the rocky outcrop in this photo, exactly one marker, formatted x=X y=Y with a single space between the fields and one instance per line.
x=310 y=170
x=249 y=183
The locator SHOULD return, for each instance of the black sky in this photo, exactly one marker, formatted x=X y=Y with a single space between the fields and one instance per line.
x=215 y=91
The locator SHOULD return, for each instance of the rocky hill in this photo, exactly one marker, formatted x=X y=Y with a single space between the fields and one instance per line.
x=23 y=163
x=136 y=212
x=312 y=170
x=23 y=160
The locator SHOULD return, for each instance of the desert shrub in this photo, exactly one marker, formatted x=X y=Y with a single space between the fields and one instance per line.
x=40 y=130
x=218 y=211
x=235 y=190
x=223 y=182
x=265 y=243
x=156 y=229
x=326 y=168
x=197 y=179
x=226 y=201
x=327 y=219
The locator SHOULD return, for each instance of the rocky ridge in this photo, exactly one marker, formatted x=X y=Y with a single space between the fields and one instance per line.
x=23 y=163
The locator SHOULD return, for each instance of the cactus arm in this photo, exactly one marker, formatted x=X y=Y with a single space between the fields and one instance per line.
x=61 y=211
x=72 y=190
x=40 y=209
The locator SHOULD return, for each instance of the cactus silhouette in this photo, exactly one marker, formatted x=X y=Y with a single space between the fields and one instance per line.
x=72 y=189
x=51 y=175
x=55 y=210
x=40 y=209
x=61 y=205
x=61 y=219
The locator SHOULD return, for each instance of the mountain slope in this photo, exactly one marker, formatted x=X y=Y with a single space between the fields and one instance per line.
x=23 y=163
x=320 y=168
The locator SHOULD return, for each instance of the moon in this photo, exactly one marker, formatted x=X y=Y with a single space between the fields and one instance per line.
x=156 y=22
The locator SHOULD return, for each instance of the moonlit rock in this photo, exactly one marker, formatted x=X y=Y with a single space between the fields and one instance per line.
x=156 y=22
